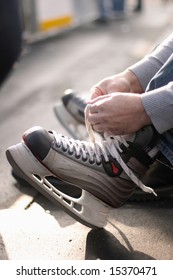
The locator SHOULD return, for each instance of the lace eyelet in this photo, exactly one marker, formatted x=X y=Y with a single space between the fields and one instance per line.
x=91 y=161
x=57 y=145
x=70 y=153
x=84 y=159
x=77 y=156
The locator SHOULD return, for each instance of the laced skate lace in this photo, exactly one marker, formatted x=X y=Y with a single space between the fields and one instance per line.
x=113 y=144
x=93 y=152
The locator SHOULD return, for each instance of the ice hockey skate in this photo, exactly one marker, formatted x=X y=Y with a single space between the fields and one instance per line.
x=70 y=113
x=72 y=108
x=106 y=172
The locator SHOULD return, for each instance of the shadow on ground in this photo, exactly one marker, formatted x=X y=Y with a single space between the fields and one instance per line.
x=101 y=244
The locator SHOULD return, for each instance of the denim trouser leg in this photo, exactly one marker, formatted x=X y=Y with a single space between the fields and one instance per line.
x=163 y=77
x=102 y=9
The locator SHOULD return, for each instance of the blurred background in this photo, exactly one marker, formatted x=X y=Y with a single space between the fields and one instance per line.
x=73 y=44
x=41 y=18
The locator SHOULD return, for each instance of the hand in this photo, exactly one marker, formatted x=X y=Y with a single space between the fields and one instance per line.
x=123 y=82
x=118 y=113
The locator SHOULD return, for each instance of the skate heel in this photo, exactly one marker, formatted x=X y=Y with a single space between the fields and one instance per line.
x=86 y=209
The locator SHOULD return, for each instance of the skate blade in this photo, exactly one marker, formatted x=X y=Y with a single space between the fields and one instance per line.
x=73 y=127
x=86 y=209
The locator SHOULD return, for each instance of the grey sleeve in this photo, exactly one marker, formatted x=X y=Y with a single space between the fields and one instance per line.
x=158 y=105
x=146 y=68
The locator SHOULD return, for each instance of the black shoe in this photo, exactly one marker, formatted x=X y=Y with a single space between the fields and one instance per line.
x=160 y=177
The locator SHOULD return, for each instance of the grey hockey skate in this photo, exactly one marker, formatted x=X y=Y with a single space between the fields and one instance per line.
x=106 y=173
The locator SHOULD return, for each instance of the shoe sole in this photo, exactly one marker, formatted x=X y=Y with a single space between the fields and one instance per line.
x=87 y=209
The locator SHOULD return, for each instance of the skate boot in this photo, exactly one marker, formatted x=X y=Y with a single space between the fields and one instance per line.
x=73 y=107
x=106 y=172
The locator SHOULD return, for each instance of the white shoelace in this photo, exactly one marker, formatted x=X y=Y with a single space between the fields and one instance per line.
x=93 y=152
x=112 y=144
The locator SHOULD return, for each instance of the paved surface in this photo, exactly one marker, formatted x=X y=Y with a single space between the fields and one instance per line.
x=30 y=226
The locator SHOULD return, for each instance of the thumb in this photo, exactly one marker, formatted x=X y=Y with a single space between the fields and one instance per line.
x=96 y=92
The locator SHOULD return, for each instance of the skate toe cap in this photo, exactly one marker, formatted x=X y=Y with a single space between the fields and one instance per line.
x=39 y=141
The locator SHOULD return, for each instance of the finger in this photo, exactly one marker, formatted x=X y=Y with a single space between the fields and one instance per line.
x=96 y=99
x=93 y=109
x=98 y=127
x=94 y=118
x=98 y=104
x=96 y=92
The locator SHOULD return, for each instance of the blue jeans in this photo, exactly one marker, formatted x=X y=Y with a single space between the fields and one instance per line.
x=118 y=5
x=163 y=77
x=102 y=9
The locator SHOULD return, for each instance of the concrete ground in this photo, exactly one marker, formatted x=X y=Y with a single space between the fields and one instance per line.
x=31 y=227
